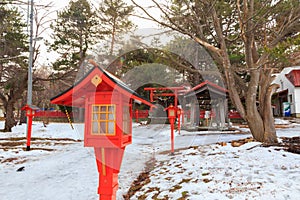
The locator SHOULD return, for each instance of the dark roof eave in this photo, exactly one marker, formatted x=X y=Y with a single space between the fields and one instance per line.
x=130 y=93
x=207 y=85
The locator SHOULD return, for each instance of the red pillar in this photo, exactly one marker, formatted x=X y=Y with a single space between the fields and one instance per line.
x=178 y=128
x=151 y=96
x=175 y=99
x=182 y=116
x=29 y=127
x=172 y=135
x=108 y=163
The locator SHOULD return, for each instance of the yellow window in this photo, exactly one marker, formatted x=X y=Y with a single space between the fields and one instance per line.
x=103 y=119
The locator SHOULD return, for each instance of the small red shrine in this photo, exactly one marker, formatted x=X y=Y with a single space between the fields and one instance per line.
x=108 y=121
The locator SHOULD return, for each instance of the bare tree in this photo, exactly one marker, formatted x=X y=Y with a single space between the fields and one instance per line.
x=251 y=29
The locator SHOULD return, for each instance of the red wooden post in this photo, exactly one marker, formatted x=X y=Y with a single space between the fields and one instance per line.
x=29 y=127
x=151 y=96
x=30 y=113
x=172 y=135
x=182 y=116
x=172 y=116
x=153 y=92
x=108 y=164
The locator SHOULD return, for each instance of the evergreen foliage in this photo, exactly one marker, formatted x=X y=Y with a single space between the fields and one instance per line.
x=76 y=29
x=13 y=61
x=114 y=16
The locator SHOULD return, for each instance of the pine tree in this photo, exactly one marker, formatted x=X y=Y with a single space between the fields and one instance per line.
x=75 y=31
x=114 y=15
x=13 y=63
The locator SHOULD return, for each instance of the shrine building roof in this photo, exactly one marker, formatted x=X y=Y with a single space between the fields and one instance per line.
x=97 y=79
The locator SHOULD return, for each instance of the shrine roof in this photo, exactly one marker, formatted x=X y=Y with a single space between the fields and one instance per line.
x=207 y=85
x=75 y=95
x=294 y=77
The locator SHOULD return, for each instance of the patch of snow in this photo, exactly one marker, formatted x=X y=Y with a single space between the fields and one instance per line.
x=281 y=121
x=200 y=169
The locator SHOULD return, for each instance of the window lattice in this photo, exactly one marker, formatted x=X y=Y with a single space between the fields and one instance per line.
x=103 y=119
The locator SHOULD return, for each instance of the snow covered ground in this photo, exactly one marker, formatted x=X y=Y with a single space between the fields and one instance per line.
x=59 y=167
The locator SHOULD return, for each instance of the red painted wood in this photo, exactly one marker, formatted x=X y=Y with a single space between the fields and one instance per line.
x=172 y=114
x=294 y=77
x=30 y=113
x=101 y=91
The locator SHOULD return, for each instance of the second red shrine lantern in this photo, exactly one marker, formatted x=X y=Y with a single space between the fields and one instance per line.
x=172 y=114
x=108 y=122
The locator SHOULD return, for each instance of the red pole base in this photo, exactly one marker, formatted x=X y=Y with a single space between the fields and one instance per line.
x=108 y=163
x=172 y=138
x=106 y=197
x=29 y=126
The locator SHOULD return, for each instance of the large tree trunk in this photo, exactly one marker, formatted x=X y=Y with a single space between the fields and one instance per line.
x=260 y=116
x=9 y=118
x=260 y=119
x=262 y=126
x=253 y=117
x=265 y=97
x=268 y=119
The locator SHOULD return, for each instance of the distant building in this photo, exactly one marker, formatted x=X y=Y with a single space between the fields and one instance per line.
x=286 y=100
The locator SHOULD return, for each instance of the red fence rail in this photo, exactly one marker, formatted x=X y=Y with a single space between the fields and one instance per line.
x=140 y=114
x=135 y=114
x=52 y=114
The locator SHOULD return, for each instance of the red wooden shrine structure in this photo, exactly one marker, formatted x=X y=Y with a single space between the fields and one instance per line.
x=168 y=92
x=205 y=100
x=108 y=121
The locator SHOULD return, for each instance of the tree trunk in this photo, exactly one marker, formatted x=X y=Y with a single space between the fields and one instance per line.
x=113 y=35
x=267 y=115
x=270 y=131
x=253 y=116
x=9 y=118
x=262 y=126
x=23 y=117
x=256 y=126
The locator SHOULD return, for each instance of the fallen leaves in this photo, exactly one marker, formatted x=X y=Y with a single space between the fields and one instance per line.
x=238 y=143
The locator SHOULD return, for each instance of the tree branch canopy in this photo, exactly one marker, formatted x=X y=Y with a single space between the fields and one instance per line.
x=242 y=36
